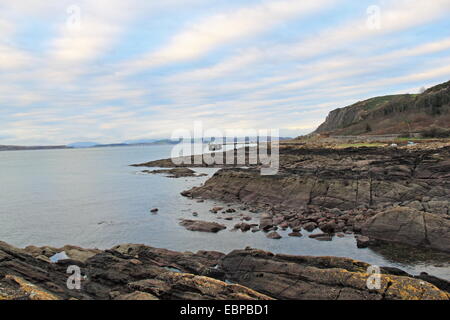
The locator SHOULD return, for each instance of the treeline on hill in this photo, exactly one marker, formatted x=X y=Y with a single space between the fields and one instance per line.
x=433 y=101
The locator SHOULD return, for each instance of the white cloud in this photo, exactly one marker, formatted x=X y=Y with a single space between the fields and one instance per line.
x=217 y=30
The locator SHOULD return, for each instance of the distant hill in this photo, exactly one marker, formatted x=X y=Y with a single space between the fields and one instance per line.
x=80 y=145
x=394 y=114
x=83 y=144
x=129 y=143
x=139 y=141
x=18 y=148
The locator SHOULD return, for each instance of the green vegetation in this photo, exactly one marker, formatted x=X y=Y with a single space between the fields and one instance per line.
x=360 y=145
x=378 y=101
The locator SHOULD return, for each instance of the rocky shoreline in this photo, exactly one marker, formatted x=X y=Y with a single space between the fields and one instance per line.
x=387 y=194
x=393 y=195
x=139 y=272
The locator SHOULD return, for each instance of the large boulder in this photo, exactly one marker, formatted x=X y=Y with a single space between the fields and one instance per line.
x=409 y=226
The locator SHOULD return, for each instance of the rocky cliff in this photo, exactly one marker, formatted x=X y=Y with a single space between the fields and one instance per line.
x=392 y=114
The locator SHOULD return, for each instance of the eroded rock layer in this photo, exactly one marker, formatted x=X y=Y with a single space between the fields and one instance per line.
x=138 y=272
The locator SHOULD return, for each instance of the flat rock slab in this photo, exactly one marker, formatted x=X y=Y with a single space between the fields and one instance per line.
x=175 y=172
x=411 y=227
x=325 y=278
x=138 y=272
x=202 y=226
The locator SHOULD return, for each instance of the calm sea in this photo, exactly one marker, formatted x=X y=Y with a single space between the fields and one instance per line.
x=93 y=198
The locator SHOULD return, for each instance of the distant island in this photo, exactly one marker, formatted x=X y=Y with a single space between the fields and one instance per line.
x=79 y=145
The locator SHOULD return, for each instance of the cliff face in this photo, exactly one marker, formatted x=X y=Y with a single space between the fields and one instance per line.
x=392 y=114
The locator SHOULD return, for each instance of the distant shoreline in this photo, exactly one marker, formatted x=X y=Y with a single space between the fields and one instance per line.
x=25 y=148
x=34 y=148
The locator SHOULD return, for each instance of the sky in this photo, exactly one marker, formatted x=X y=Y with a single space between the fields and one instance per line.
x=114 y=70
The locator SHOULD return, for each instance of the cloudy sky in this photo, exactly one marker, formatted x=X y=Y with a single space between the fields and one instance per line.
x=114 y=70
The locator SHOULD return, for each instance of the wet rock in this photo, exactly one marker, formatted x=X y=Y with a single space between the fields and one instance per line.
x=284 y=225
x=72 y=252
x=244 y=227
x=266 y=222
x=362 y=241
x=310 y=226
x=411 y=227
x=202 y=226
x=295 y=234
x=175 y=172
x=321 y=236
x=273 y=235
x=328 y=227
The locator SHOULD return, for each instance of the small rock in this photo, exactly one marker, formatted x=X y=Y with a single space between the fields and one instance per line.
x=266 y=222
x=362 y=241
x=154 y=210
x=328 y=227
x=321 y=236
x=295 y=234
x=135 y=261
x=273 y=235
x=310 y=226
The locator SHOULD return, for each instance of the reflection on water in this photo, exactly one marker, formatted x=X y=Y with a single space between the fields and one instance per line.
x=93 y=198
